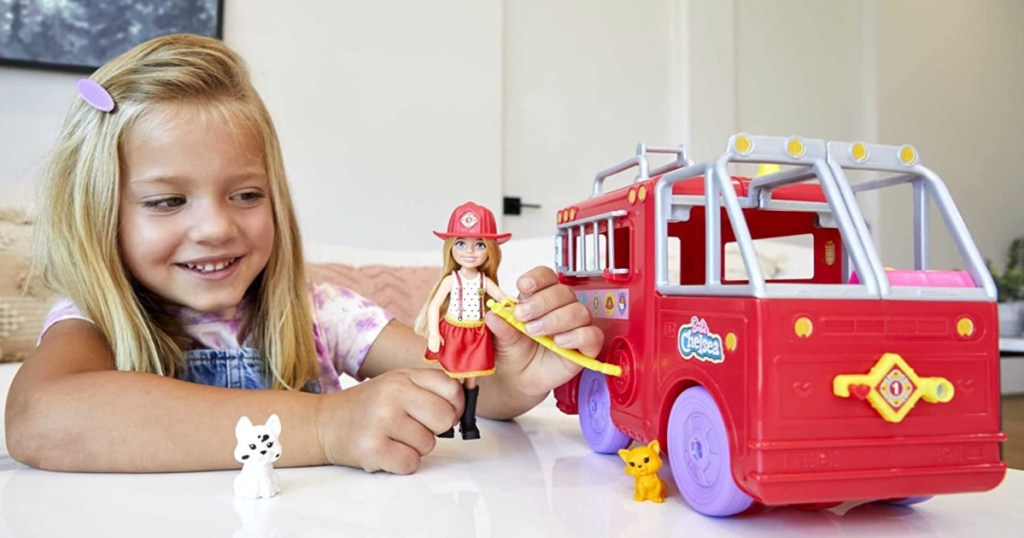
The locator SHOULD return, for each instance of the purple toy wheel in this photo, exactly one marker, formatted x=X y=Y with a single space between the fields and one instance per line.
x=907 y=501
x=698 y=450
x=595 y=415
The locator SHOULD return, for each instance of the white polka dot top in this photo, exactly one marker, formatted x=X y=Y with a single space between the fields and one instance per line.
x=471 y=293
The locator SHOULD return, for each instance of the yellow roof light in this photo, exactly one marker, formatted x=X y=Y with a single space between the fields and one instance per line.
x=908 y=155
x=859 y=152
x=795 y=147
x=641 y=193
x=743 y=144
x=572 y=214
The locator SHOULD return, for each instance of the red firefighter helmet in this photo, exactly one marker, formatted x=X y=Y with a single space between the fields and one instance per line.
x=473 y=220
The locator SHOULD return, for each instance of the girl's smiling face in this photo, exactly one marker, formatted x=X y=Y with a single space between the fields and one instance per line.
x=196 y=223
x=469 y=252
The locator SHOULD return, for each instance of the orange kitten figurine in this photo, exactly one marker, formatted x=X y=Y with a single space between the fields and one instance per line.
x=643 y=463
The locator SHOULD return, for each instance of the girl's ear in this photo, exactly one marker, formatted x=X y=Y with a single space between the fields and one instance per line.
x=243 y=428
x=274 y=423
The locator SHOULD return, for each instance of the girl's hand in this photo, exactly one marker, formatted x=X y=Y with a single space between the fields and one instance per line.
x=547 y=308
x=388 y=423
x=434 y=341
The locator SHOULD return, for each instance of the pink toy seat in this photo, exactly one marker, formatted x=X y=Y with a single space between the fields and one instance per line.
x=924 y=279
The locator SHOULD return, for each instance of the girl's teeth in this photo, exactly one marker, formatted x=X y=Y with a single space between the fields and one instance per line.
x=209 y=267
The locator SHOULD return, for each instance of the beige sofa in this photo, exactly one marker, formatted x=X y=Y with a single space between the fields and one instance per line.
x=23 y=302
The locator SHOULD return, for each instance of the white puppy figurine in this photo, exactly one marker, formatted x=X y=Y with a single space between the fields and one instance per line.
x=257 y=450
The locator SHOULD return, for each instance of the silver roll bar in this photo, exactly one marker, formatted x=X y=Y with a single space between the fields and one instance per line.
x=640 y=161
x=927 y=186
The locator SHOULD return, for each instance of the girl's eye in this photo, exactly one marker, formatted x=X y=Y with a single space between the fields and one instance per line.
x=460 y=244
x=248 y=196
x=164 y=203
x=481 y=246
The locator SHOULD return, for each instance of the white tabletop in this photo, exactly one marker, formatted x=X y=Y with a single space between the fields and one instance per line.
x=531 y=477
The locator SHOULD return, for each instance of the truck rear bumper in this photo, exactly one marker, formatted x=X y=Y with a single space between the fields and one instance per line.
x=867 y=469
x=873 y=484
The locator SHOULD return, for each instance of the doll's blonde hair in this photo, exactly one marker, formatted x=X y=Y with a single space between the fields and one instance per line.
x=77 y=244
x=448 y=265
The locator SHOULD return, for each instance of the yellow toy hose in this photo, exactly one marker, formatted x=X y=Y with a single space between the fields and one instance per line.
x=504 y=310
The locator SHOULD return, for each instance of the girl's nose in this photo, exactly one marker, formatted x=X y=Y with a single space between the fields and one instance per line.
x=213 y=224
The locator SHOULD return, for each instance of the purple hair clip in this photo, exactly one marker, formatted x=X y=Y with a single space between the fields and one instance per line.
x=94 y=94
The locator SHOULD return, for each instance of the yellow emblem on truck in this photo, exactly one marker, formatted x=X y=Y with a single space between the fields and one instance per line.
x=893 y=388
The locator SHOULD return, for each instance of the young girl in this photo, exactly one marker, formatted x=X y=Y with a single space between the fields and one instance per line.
x=469 y=275
x=167 y=223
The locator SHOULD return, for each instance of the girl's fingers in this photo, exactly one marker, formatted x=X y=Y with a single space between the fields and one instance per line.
x=560 y=320
x=536 y=279
x=588 y=340
x=432 y=412
x=413 y=434
x=545 y=301
x=396 y=457
x=438 y=383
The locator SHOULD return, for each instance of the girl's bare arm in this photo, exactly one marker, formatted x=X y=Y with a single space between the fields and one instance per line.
x=69 y=410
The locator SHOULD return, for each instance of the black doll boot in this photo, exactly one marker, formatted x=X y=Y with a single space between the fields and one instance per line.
x=468 y=421
x=447 y=434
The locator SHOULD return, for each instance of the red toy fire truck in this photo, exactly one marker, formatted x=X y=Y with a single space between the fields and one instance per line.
x=855 y=382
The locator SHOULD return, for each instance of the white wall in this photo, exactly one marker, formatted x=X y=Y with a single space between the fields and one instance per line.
x=390 y=114
x=950 y=81
x=798 y=68
x=585 y=81
x=32 y=108
x=786 y=67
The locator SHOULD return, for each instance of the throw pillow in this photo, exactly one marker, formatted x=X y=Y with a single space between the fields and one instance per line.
x=24 y=301
x=399 y=290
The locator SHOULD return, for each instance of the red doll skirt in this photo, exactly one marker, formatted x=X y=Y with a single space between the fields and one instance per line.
x=467 y=350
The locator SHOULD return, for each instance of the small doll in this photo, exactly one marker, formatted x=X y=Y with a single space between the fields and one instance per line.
x=459 y=340
x=257 y=450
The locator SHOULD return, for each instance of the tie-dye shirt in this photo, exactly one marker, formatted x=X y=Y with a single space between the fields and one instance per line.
x=345 y=325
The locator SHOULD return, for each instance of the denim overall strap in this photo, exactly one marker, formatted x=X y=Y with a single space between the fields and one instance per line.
x=239 y=368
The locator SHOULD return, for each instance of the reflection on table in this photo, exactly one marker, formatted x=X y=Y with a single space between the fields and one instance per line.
x=531 y=477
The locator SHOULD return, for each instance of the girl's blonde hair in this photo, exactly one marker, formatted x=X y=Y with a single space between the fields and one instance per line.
x=448 y=265
x=77 y=243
